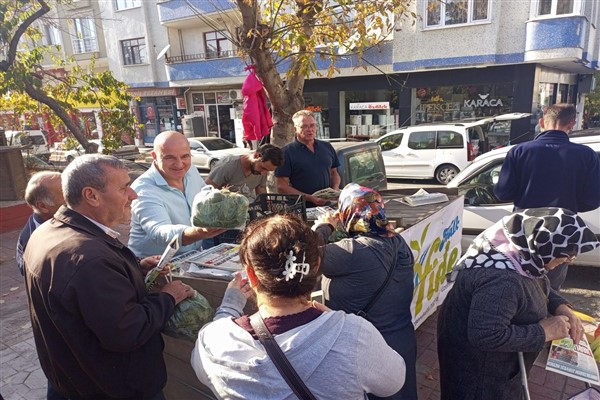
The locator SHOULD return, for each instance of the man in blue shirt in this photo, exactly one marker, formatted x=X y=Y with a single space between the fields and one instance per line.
x=309 y=164
x=550 y=171
x=166 y=192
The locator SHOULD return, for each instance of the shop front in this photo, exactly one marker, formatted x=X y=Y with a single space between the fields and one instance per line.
x=366 y=107
x=157 y=110
x=217 y=111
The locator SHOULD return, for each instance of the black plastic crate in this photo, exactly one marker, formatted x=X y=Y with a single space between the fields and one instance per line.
x=230 y=236
x=277 y=203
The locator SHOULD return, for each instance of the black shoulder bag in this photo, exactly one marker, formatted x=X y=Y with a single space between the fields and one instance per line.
x=279 y=359
x=363 y=312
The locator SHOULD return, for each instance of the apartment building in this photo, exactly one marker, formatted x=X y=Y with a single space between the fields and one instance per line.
x=74 y=31
x=461 y=59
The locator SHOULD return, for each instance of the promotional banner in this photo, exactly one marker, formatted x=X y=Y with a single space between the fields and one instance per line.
x=435 y=242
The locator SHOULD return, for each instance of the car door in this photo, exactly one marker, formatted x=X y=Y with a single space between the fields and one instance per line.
x=392 y=159
x=200 y=156
x=482 y=209
x=419 y=155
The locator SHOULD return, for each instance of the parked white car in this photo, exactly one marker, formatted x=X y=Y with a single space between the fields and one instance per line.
x=482 y=209
x=59 y=154
x=35 y=140
x=206 y=151
x=441 y=150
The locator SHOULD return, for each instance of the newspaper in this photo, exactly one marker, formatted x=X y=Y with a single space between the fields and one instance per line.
x=573 y=360
x=223 y=256
x=166 y=257
x=316 y=212
x=422 y=197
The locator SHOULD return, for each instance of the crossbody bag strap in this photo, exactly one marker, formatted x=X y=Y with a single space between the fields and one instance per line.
x=363 y=312
x=279 y=359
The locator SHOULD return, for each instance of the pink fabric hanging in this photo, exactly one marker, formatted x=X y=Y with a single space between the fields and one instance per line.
x=256 y=117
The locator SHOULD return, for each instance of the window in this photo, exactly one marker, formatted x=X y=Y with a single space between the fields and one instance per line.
x=450 y=139
x=51 y=35
x=134 y=51
x=391 y=141
x=125 y=4
x=422 y=140
x=454 y=12
x=85 y=36
x=558 y=7
x=217 y=45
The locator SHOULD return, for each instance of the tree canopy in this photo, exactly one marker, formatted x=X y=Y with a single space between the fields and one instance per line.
x=29 y=85
x=298 y=32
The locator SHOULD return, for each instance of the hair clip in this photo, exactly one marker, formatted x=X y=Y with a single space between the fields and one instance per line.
x=291 y=267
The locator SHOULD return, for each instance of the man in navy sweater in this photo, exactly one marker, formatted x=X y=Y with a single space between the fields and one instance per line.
x=550 y=171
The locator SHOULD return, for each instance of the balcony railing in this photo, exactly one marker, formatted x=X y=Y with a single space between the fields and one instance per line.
x=211 y=55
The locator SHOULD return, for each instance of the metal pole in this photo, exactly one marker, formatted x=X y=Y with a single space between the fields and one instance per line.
x=524 y=376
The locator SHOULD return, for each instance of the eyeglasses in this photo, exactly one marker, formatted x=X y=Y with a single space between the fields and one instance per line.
x=307 y=126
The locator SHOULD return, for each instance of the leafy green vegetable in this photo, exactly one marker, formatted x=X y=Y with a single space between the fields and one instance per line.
x=190 y=315
x=214 y=208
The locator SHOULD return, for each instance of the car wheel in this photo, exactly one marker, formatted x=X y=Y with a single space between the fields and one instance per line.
x=69 y=159
x=212 y=164
x=445 y=173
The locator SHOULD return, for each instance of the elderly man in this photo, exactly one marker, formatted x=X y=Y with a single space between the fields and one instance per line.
x=44 y=195
x=246 y=174
x=551 y=171
x=96 y=328
x=165 y=196
x=309 y=164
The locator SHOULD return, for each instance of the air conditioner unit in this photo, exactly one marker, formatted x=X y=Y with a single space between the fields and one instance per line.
x=235 y=95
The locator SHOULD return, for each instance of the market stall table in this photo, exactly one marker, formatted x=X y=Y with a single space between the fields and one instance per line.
x=432 y=231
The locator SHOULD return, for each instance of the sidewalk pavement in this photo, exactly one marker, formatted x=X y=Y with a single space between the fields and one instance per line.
x=21 y=377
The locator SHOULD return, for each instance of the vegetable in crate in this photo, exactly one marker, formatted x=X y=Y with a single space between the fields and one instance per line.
x=214 y=208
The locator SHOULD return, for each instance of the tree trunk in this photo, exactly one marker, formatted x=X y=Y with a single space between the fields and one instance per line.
x=63 y=115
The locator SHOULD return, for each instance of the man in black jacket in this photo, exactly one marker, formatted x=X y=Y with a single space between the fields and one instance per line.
x=96 y=327
x=551 y=171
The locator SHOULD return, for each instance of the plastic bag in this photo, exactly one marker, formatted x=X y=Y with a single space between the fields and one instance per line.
x=190 y=315
x=214 y=208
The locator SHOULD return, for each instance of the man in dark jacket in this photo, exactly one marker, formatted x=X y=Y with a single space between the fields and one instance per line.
x=550 y=171
x=44 y=195
x=96 y=327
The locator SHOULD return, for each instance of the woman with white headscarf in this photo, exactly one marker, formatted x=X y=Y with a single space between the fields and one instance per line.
x=501 y=303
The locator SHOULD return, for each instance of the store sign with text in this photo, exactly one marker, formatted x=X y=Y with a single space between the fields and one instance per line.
x=483 y=101
x=379 y=105
x=435 y=243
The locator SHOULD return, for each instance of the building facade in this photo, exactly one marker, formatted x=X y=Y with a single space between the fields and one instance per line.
x=461 y=59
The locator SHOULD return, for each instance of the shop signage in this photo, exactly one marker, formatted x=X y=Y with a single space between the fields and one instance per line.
x=380 y=105
x=180 y=103
x=154 y=92
x=483 y=101
x=435 y=242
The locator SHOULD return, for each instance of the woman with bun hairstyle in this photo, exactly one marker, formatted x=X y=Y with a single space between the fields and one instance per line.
x=336 y=355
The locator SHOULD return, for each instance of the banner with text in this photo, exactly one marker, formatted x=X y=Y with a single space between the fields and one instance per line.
x=435 y=242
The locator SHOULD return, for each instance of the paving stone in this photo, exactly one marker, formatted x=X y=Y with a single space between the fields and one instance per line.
x=36 y=380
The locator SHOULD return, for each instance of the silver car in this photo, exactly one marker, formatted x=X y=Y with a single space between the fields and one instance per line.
x=482 y=209
x=206 y=151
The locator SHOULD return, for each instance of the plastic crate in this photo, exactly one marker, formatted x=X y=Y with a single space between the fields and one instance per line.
x=230 y=236
x=277 y=203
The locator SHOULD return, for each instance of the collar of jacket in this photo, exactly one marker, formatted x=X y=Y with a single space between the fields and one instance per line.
x=553 y=134
x=77 y=221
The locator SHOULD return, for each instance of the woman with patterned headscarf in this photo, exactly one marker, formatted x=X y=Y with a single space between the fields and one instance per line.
x=501 y=303
x=357 y=266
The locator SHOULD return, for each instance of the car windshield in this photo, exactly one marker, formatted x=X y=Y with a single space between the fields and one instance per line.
x=217 y=144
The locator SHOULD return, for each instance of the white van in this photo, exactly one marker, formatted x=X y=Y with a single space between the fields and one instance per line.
x=441 y=150
x=37 y=139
